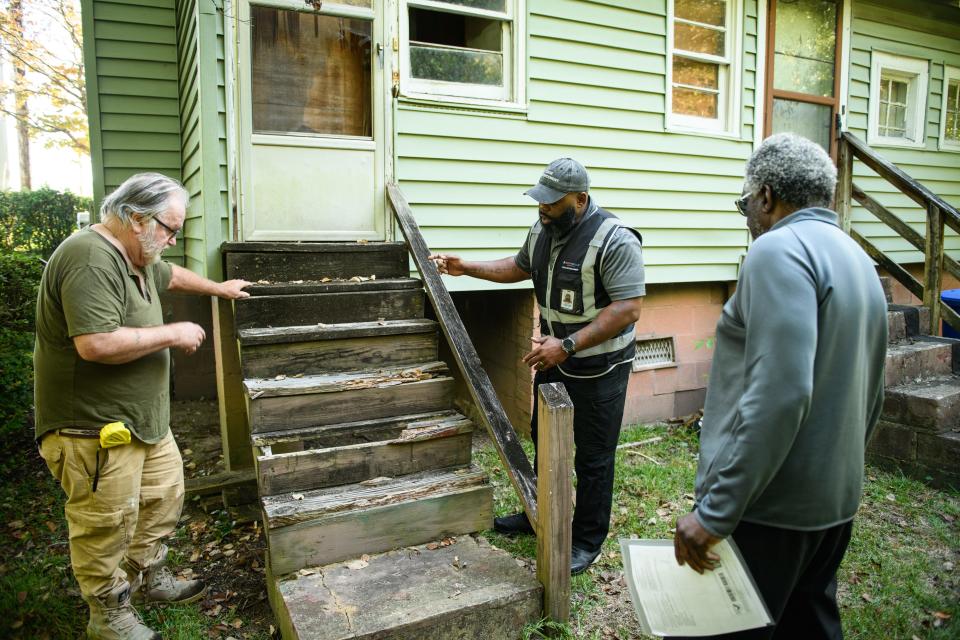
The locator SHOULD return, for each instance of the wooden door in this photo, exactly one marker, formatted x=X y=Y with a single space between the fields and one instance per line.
x=803 y=69
x=311 y=121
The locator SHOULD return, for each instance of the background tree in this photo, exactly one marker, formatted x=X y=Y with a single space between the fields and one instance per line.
x=46 y=96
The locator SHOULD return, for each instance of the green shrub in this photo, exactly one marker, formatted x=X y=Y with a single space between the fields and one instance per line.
x=19 y=278
x=38 y=221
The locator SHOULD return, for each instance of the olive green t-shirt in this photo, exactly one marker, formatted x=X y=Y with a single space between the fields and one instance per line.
x=87 y=287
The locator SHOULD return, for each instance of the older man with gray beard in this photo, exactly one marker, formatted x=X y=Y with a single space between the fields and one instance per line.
x=796 y=388
x=102 y=402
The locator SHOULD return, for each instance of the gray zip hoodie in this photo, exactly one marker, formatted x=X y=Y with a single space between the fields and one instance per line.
x=796 y=385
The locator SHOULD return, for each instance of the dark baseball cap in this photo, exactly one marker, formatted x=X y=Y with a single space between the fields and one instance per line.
x=562 y=176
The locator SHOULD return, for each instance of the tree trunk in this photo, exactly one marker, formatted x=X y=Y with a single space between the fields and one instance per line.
x=20 y=97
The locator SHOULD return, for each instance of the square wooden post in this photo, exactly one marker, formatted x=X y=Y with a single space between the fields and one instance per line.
x=933 y=267
x=843 y=199
x=554 y=498
x=234 y=428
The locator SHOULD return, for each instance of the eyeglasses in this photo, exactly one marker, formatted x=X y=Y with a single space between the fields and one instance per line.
x=171 y=232
x=741 y=203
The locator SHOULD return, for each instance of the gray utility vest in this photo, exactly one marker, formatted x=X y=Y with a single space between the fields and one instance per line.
x=576 y=292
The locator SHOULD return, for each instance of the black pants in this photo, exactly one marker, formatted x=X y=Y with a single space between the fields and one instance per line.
x=597 y=414
x=796 y=573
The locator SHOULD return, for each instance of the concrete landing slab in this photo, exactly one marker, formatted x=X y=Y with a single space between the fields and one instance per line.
x=932 y=404
x=463 y=591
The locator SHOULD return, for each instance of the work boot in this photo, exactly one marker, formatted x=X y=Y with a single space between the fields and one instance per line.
x=156 y=583
x=112 y=617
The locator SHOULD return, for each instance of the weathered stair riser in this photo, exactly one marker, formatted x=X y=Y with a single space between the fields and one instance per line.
x=919 y=430
x=358 y=451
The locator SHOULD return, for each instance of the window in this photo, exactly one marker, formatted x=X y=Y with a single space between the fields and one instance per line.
x=898 y=100
x=703 y=91
x=950 y=111
x=462 y=49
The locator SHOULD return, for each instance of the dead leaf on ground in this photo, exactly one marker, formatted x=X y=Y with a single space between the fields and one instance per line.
x=866 y=597
x=357 y=564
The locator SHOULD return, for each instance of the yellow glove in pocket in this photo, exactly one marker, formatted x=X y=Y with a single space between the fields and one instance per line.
x=114 y=435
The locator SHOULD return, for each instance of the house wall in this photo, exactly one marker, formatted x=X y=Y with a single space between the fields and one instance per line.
x=130 y=66
x=596 y=92
x=899 y=28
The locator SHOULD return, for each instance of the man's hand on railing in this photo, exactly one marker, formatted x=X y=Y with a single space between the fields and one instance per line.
x=548 y=353
x=449 y=264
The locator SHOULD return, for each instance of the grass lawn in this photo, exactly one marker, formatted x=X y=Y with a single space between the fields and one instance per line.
x=899 y=578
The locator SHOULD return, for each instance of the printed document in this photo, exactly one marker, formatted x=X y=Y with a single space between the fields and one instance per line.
x=671 y=600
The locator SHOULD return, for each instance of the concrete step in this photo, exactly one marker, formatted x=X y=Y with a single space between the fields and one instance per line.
x=288 y=261
x=325 y=348
x=466 y=590
x=930 y=405
x=915 y=360
x=436 y=442
x=928 y=456
x=358 y=305
x=285 y=403
x=906 y=321
x=333 y=524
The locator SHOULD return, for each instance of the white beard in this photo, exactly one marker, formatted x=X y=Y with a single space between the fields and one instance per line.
x=151 y=248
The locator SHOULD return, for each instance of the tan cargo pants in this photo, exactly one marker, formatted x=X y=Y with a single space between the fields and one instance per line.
x=137 y=503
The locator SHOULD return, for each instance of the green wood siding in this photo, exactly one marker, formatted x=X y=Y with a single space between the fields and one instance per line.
x=894 y=28
x=203 y=133
x=130 y=59
x=596 y=91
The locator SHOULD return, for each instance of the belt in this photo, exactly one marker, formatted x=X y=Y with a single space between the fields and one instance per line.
x=80 y=433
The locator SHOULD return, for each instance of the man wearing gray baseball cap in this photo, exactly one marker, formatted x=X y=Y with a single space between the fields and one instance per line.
x=587 y=272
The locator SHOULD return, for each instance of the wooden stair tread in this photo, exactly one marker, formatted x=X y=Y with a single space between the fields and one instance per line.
x=292 y=508
x=418 y=592
x=303 y=287
x=338 y=331
x=378 y=429
x=347 y=381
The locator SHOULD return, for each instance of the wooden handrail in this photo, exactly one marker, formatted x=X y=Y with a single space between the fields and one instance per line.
x=939 y=214
x=504 y=436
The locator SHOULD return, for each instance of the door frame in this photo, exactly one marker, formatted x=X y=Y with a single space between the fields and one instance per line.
x=239 y=114
x=840 y=81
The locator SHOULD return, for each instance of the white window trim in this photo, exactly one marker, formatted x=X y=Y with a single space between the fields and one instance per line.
x=727 y=125
x=919 y=70
x=461 y=94
x=949 y=73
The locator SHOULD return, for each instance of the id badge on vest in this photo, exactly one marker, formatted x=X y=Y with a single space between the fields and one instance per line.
x=568 y=299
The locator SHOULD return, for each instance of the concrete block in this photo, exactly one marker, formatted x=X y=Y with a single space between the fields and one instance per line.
x=911 y=361
x=687 y=402
x=930 y=405
x=894 y=441
x=462 y=591
x=939 y=451
x=896 y=326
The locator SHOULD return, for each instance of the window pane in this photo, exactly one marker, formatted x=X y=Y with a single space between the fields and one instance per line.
x=691 y=102
x=952 y=129
x=805 y=47
x=698 y=39
x=456 y=65
x=697 y=74
x=354 y=3
x=812 y=121
x=455 y=30
x=311 y=73
x=492 y=5
x=892 y=111
x=706 y=11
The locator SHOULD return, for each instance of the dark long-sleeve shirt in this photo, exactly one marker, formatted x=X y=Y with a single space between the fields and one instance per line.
x=796 y=385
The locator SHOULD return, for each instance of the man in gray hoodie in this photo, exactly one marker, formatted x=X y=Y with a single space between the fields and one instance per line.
x=796 y=388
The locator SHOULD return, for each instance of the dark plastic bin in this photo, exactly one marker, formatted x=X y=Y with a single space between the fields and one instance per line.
x=952 y=299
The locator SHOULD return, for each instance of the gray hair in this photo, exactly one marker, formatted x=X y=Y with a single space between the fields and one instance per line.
x=797 y=170
x=144 y=194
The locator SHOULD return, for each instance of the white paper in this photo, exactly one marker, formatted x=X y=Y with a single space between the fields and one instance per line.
x=671 y=600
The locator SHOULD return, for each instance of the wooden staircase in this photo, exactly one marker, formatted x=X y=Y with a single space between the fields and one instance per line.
x=363 y=465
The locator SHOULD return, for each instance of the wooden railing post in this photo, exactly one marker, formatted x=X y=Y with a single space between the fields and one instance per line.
x=933 y=266
x=554 y=498
x=844 y=182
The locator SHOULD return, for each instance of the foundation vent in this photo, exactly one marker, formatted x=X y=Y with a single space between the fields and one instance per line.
x=654 y=353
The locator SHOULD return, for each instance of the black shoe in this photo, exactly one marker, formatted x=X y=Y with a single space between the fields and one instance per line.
x=580 y=560
x=513 y=525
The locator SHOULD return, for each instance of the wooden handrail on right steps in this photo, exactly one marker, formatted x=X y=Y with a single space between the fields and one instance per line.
x=940 y=213
x=547 y=497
